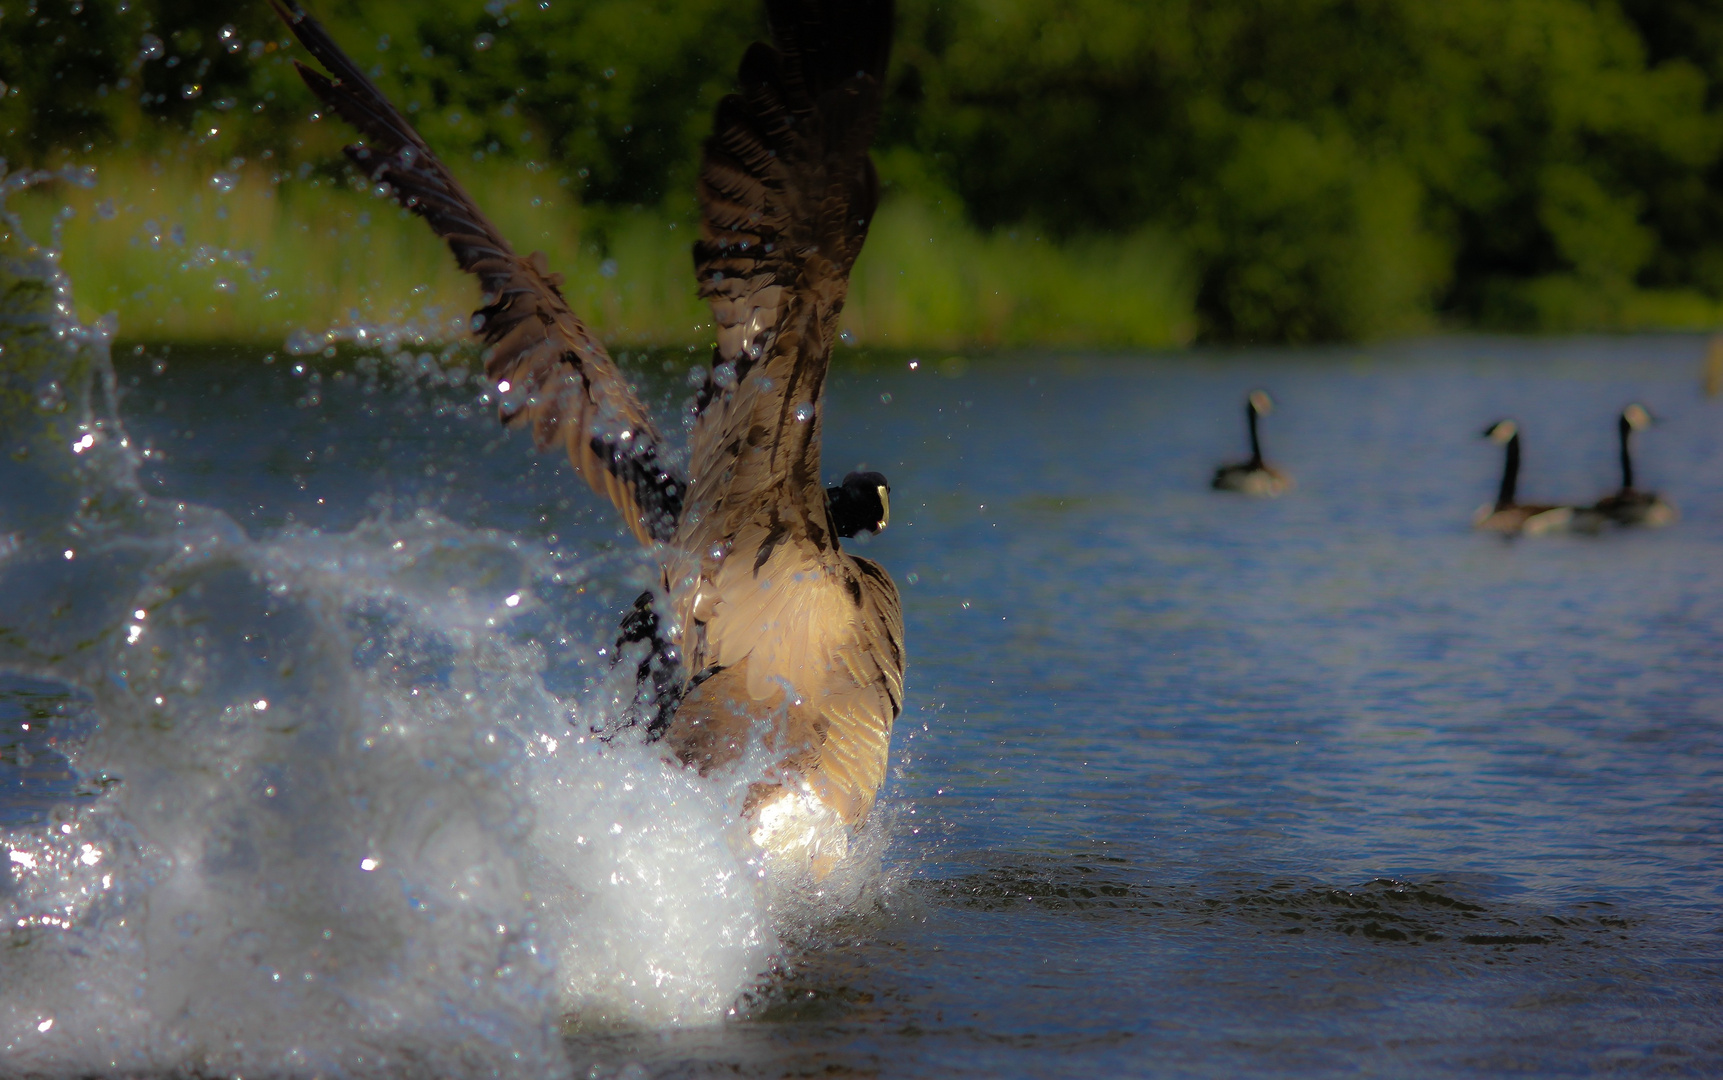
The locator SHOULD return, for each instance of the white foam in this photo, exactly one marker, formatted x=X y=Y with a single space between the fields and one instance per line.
x=313 y=862
x=346 y=828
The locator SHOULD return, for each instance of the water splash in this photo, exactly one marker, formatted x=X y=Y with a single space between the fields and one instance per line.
x=331 y=819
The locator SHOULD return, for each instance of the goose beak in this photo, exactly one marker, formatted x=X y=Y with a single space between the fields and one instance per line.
x=1261 y=402
x=884 y=507
x=1637 y=417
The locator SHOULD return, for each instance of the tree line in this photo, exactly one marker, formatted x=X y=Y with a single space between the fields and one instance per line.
x=1330 y=169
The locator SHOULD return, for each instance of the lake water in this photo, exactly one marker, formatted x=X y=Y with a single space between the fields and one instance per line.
x=298 y=777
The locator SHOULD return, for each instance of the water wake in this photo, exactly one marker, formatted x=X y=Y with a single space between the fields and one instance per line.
x=330 y=818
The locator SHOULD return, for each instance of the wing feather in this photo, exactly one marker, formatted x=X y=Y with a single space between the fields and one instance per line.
x=563 y=385
x=758 y=579
x=786 y=186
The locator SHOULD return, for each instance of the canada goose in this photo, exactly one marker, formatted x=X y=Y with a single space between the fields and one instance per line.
x=768 y=617
x=1256 y=476
x=1628 y=505
x=1508 y=516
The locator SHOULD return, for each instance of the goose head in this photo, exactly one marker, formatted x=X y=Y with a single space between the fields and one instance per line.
x=1502 y=432
x=1636 y=418
x=862 y=503
x=1260 y=403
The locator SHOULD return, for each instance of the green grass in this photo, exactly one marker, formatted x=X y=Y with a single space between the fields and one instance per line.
x=178 y=254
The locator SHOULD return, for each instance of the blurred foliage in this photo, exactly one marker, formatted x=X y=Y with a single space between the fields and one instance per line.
x=305 y=262
x=1320 y=169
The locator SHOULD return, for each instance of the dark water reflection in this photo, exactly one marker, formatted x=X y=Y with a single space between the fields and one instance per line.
x=1189 y=784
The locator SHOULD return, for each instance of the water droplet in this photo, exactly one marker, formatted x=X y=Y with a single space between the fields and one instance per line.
x=607 y=268
x=484 y=41
x=804 y=412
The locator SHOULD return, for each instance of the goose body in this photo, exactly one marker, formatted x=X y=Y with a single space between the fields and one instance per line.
x=1628 y=505
x=1507 y=515
x=767 y=620
x=1254 y=476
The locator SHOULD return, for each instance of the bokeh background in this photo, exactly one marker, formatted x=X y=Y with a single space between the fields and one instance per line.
x=1071 y=172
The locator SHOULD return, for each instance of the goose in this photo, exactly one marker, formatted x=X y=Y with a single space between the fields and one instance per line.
x=761 y=618
x=1256 y=476
x=1628 y=505
x=1508 y=516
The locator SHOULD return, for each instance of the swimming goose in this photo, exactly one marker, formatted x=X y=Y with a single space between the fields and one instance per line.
x=1256 y=476
x=1508 y=516
x=1628 y=505
x=768 y=618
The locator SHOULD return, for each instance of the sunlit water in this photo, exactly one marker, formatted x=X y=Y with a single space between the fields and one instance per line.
x=298 y=774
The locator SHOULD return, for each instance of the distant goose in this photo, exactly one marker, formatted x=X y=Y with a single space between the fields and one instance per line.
x=1628 y=505
x=1256 y=476
x=1508 y=516
x=772 y=622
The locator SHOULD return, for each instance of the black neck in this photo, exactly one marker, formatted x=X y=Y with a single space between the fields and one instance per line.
x=1626 y=458
x=1255 y=446
x=1510 y=474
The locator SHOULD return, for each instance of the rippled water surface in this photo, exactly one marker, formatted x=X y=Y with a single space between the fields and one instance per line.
x=1187 y=784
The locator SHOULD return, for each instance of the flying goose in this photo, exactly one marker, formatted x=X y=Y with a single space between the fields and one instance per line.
x=1628 y=505
x=1508 y=516
x=1256 y=476
x=767 y=615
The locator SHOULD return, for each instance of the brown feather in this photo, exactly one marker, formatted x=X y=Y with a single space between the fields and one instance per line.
x=564 y=387
x=771 y=616
x=787 y=191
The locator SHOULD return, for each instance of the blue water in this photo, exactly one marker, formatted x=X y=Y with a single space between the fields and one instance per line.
x=1187 y=784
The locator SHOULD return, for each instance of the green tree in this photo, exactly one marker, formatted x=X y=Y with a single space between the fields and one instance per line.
x=1330 y=168
x=1337 y=167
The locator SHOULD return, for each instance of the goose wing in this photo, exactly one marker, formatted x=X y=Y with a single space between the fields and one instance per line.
x=786 y=191
x=762 y=589
x=562 y=384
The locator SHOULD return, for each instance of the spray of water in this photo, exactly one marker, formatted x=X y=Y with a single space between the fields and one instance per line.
x=332 y=821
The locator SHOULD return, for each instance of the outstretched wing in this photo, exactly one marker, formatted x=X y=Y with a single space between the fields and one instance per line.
x=559 y=379
x=770 y=607
x=787 y=191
